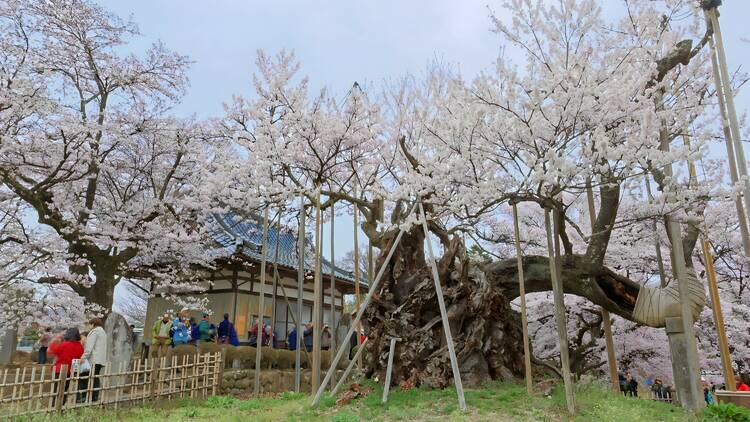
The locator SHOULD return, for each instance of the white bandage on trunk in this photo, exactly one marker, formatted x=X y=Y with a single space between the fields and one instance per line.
x=655 y=304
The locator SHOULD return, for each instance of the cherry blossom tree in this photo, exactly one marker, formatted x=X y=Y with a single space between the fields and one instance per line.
x=594 y=98
x=86 y=146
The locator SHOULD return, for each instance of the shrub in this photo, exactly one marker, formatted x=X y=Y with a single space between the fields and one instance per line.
x=204 y=348
x=181 y=351
x=285 y=359
x=345 y=417
x=223 y=402
x=246 y=355
x=725 y=412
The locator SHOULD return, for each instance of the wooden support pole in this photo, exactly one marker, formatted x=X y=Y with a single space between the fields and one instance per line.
x=389 y=369
x=357 y=296
x=679 y=270
x=275 y=283
x=300 y=286
x=560 y=318
x=295 y=320
x=443 y=311
x=371 y=291
x=334 y=326
x=713 y=289
x=261 y=302
x=318 y=298
x=726 y=357
x=606 y=319
x=349 y=367
x=522 y=296
x=370 y=262
x=728 y=96
x=729 y=145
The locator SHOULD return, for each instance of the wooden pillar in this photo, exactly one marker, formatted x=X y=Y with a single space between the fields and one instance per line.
x=560 y=318
x=300 y=286
x=522 y=296
x=606 y=319
x=261 y=302
x=318 y=297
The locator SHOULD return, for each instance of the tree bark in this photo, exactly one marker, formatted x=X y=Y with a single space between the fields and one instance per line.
x=487 y=332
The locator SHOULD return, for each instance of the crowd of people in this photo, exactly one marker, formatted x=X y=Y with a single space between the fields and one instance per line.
x=307 y=338
x=70 y=348
x=169 y=331
x=629 y=387
x=183 y=329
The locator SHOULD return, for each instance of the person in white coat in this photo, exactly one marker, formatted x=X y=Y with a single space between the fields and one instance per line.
x=95 y=352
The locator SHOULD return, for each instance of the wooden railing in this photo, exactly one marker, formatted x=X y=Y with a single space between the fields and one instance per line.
x=37 y=389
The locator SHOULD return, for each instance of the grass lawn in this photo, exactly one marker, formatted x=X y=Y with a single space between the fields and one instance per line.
x=494 y=402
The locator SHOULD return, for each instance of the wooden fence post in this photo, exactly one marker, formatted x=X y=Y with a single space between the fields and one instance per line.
x=61 y=388
x=220 y=371
x=155 y=366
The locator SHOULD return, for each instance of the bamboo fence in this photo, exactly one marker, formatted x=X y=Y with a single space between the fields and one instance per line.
x=37 y=389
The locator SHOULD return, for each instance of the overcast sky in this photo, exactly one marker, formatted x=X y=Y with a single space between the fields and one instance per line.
x=341 y=41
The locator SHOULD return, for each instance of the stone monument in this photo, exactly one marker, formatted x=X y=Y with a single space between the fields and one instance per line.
x=8 y=342
x=119 y=348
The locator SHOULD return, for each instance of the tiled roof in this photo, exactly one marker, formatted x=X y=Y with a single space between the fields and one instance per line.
x=235 y=234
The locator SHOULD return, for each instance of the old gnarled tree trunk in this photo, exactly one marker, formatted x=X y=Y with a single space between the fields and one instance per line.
x=486 y=331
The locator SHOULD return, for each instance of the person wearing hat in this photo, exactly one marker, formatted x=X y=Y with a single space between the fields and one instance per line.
x=204 y=329
x=325 y=338
x=162 y=338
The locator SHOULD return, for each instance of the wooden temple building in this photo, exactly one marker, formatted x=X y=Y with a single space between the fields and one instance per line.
x=233 y=286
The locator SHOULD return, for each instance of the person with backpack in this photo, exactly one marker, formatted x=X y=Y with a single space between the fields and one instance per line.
x=226 y=333
x=181 y=333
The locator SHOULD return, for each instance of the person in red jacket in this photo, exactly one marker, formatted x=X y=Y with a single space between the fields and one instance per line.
x=741 y=386
x=66 y=347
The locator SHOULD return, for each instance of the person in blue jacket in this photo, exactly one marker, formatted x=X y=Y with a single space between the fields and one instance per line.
x=292 y=339
x=226 y=334
x=194 y=331
x=182 y=332
x=233 y=339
